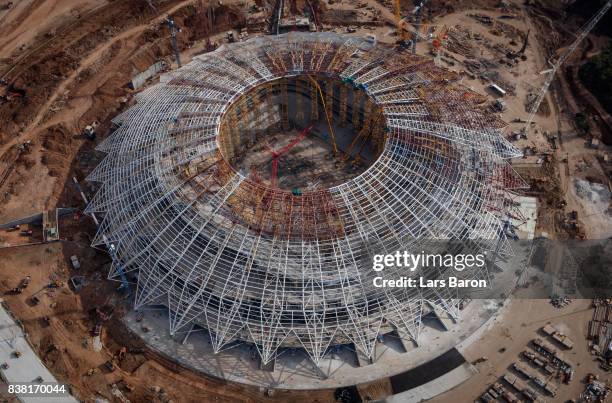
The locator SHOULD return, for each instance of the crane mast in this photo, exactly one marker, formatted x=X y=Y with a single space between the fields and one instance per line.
x=417 y=23
x=584 y=31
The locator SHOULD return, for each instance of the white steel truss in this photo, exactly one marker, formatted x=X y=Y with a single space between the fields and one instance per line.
x=300 y=274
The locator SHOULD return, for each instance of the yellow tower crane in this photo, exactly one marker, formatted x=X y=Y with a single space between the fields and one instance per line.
x=331 y=130
x=402 y=34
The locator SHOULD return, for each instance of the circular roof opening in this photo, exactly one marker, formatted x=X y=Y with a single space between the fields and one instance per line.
x=302 y=133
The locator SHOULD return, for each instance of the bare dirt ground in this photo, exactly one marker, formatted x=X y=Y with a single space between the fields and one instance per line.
x=80 y=75
x=60 y=329
x=573 y=160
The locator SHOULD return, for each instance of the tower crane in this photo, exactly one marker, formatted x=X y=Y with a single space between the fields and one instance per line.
x=584 y=31
x=417 y=23
x=173 y=29
x=402 y=34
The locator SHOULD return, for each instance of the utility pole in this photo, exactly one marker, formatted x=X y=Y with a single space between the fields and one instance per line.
x=417 y=23
x=584 y=31
x=173 y=29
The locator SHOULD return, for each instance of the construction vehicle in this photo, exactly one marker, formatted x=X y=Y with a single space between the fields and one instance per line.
x=25 y=282
x=56 y=284
x=10 y=92
x=479 y=360
x=121 y=353
x=208 y=28
x=97 y=329
x=90 y=131
x=110 y=366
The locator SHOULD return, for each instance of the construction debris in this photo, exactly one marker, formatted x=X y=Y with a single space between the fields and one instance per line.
x=560 y=302
x=595 y=391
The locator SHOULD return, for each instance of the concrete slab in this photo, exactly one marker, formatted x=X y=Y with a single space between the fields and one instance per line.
x=28 y=367
x=293 y=369
x=444 y=318
x=529 y=209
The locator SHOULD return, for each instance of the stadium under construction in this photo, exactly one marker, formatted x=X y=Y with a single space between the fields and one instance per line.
x=247 y=191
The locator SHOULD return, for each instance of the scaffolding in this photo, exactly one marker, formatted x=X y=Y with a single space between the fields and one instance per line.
x=257 y=264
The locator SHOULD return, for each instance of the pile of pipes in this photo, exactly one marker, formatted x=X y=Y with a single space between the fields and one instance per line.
x=459 y=41
x=595 y=391
x=483 y=19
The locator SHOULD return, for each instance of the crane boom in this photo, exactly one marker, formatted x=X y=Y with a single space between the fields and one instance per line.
x=400 y=31
x=277 y=154
x=584 y=31
x=293 y=142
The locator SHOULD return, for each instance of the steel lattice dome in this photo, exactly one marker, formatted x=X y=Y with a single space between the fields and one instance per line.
x=260 y=264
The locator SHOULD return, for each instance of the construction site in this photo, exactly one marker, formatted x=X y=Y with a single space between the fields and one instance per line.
x=192 y=194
